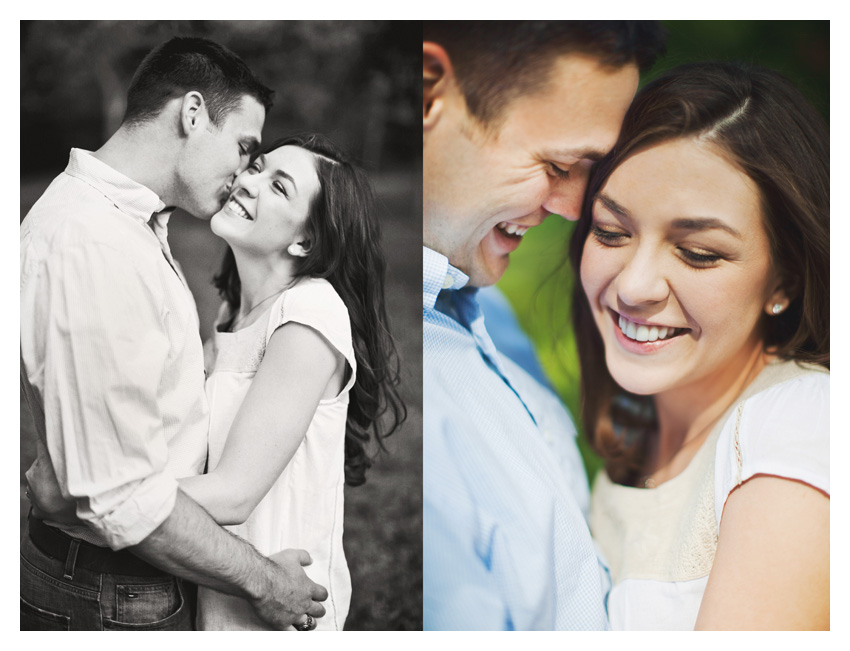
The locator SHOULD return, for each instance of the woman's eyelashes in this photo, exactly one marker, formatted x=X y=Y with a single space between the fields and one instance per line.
x=695 y=257
x=256 y=168
x=609 y=237
x=699 y=260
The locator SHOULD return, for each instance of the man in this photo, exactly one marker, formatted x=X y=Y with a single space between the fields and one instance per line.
x=514 y=114
x=112 y=364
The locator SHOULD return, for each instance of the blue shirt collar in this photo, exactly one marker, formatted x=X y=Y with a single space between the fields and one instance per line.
x=437 y=275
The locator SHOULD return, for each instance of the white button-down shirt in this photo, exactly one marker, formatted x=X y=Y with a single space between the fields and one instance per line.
x=111 y=358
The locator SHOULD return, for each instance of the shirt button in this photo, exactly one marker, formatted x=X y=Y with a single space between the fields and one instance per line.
x=448 y=281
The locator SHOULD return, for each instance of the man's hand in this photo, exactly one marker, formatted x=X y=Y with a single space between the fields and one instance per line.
x=47 y=502
x=291 y=593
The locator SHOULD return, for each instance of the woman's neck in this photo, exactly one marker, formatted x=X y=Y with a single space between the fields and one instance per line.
x=261 y=278
x=687 y=415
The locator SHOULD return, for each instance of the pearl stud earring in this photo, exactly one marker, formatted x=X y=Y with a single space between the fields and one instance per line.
x=777 y=308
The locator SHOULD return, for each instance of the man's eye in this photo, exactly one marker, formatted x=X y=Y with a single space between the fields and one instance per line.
x=559 y=171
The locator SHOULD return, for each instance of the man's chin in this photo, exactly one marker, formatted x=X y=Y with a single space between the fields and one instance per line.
x=488 y=272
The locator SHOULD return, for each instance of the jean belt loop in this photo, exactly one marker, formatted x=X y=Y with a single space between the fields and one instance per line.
x=71 y=560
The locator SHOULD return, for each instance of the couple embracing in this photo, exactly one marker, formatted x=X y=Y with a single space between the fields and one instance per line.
x=143 y=451
x=701 y=313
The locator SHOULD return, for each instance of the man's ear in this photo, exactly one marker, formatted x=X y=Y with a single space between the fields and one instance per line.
x=437 y=75
x=193 y=111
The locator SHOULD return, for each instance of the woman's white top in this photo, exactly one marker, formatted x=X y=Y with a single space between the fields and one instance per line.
x=304 y=508
x=660 y=542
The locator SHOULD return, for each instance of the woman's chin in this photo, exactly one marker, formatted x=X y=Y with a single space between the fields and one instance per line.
x=219 y=225
x=640 y=380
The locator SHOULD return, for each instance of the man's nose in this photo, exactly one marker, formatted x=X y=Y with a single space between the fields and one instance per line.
x=566 y=194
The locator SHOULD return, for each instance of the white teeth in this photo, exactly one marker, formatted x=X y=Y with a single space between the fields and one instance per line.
x=645 y=333
x=512 y=229
x=238 y=210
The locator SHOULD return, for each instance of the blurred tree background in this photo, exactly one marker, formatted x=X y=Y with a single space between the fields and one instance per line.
x=356 y=82
x=538 y=282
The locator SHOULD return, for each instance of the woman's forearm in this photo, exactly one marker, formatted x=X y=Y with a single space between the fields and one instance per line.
x=218 y=497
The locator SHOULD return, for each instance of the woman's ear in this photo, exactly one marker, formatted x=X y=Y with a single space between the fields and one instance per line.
x=437 y=75
x=785 y=291
x=778 y=302
x=299 y=249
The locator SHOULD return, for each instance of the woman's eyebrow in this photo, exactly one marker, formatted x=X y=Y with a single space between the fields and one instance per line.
x=704 y=224
x=682 y=223
x=283 y=174
x=612 y=205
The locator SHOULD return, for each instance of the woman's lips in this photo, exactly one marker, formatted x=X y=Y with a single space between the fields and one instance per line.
x=643 y=337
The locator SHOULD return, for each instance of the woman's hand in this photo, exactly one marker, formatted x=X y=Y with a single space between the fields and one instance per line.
x=771 y=568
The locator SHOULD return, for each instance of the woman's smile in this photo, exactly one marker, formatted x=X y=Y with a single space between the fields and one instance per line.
x=238 y=209
x=669 y=317
x=643 y=337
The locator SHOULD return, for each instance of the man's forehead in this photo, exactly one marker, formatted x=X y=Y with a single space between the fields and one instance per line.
x=247 y=120
x=249 y=113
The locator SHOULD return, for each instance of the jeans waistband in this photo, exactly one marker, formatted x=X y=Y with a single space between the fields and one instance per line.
x=80 y=554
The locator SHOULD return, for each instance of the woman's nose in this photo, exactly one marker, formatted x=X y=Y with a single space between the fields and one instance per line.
x=642 y=280
x=246 y=182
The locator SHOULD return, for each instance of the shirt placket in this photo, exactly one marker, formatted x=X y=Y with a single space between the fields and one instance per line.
x=469 y=310
x=159 y=225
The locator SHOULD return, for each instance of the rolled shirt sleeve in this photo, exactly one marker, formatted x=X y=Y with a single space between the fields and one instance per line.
x=98 y=348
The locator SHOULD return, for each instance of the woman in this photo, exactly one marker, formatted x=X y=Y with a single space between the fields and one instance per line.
x=703 y=332
x=301 y=366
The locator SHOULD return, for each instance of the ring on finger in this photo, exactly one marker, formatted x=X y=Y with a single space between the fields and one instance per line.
x=308 y=625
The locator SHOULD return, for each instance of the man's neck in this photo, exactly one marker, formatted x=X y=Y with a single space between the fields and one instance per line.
x=145 y=155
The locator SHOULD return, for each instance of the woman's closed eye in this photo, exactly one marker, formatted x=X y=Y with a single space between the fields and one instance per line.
x=699 y=258
x=609 y=237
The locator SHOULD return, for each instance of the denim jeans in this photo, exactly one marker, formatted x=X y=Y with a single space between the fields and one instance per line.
x=50 y=601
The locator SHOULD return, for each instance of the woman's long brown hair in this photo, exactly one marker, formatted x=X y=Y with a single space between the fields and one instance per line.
x=760 y=122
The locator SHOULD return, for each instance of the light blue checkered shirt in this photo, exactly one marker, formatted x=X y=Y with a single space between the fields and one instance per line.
x=505 y=532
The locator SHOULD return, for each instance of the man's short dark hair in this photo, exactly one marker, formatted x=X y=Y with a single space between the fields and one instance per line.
x=496 y=62
x=184 y=64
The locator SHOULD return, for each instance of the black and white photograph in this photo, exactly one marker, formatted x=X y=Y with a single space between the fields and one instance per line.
x=220 y=351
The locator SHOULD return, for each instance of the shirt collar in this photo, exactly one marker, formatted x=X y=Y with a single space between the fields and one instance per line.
x=437 y=275
x=128 y=196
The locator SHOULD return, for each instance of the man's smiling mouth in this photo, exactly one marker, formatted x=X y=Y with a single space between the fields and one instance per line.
x=512 y=230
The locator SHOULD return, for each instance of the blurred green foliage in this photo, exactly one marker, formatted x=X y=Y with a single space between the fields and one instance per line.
x=539 y=283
